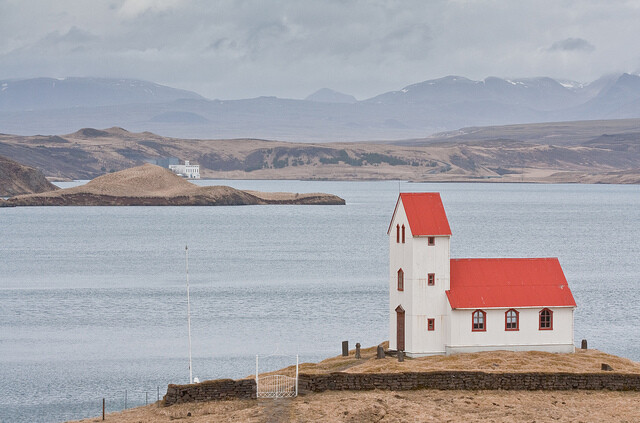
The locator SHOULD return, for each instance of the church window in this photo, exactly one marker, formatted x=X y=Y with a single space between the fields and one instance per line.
x=431 y=240
x=431 y=324
x=400 y=280
x=546 y=319
x=511 y=320
x=479 y=318
x=431 y=279
x=403 y=234
x=397 y=234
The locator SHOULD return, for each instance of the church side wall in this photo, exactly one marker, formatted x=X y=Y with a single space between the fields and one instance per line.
x=559 y=339
x=429 y=301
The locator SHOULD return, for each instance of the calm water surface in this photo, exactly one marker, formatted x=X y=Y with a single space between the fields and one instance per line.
x=93 y=299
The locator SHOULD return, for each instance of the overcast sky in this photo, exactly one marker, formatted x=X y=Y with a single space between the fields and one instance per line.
x=290 y=48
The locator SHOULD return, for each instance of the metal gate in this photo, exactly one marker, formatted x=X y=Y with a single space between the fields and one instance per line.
x=276 y=386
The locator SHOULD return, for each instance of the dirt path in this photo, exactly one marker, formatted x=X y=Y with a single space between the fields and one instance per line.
x=276 y=410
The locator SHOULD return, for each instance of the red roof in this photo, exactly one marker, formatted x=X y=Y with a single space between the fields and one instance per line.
x=425 y=213
x=505 y=283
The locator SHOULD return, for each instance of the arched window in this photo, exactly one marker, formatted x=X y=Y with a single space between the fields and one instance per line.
x=397 y=234
x=400 y=280
x=546 y=319
x=511 y=320
x=403 y=234
x=479 y=318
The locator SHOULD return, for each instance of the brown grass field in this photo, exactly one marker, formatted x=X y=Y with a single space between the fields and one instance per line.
x=403 y=406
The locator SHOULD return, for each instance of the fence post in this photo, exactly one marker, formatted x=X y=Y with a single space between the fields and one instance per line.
x=358 y=350
x=146 y=398
x=125 y=399
x=257 y=389
x=102 y=408
x=297 y=375
x=345 y=348
x=158 y=396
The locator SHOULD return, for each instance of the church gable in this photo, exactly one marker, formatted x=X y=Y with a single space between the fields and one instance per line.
x=425 y=214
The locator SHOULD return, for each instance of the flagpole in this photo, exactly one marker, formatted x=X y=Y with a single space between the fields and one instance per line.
x=186 y=250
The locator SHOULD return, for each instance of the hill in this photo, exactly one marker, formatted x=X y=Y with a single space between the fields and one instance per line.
x=65 y=93
x=52 y=106
x=16 y=179
x=151 y=185
x=425 y=404
x=549 y=153
x=555 y=133
x=326 y=95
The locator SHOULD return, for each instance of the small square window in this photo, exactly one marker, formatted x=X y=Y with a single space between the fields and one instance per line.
x=431 y=240
x=431 y=324
x=431 y=279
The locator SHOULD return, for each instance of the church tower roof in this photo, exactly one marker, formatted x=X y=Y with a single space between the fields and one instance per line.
x=425 y=213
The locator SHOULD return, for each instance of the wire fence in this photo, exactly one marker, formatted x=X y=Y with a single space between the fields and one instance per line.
x=128 y=398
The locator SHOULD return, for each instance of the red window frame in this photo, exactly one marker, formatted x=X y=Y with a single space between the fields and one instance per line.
x=431 y=240
x=400 y=279
x=403 y=234
x=548 y=323
x=398 y=234
x=484 y=321
x=431 y=324
x=431 y=279
x=516 y=315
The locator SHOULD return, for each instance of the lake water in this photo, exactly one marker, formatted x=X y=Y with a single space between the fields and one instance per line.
x=93 y=299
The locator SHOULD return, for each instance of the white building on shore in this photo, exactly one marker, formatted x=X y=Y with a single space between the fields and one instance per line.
x=187 y=170
x=439 y=305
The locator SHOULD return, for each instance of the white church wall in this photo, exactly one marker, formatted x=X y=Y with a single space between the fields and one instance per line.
x=429 y=301
x=528 y=337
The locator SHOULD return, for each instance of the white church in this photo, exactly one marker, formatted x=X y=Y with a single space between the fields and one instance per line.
x=439 y=305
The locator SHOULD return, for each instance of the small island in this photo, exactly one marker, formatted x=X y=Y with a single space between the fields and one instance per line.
x=151 y=185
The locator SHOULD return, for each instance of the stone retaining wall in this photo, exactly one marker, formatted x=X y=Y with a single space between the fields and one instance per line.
x=446 y=380
x=210 y=390
x=467 y=380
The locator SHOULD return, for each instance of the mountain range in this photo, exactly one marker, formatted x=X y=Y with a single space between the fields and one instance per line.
x=57 y=106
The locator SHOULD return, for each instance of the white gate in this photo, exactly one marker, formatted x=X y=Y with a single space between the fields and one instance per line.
x=276 y=386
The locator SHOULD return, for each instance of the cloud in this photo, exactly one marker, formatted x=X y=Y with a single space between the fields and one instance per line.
x=134 y=8
x=572 y=44
x=290 y=48
x=73 y=37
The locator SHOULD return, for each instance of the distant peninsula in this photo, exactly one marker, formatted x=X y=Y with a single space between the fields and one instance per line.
x=556 y=152
x=151 y=185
